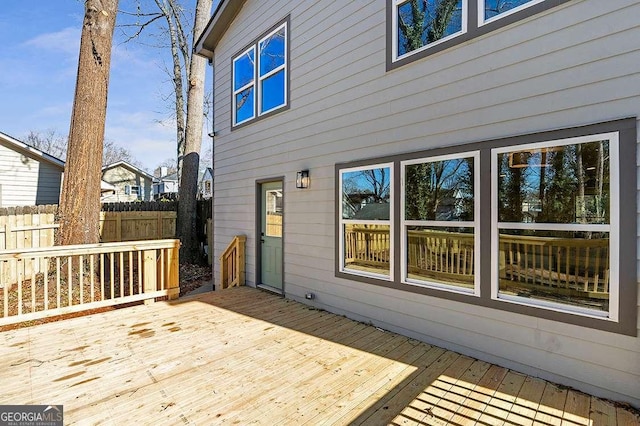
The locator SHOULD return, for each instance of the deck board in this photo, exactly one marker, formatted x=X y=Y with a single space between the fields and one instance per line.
x=244 y=356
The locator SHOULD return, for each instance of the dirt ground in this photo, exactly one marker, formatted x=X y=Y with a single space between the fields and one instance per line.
x=191 y=278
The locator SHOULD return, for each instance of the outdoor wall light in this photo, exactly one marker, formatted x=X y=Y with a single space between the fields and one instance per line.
x=302 y=179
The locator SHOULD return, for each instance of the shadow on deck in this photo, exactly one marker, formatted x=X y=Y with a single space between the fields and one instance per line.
x=243 y=356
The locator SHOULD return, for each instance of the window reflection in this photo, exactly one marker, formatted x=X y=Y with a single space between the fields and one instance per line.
x=565 y=267
x=366 y=194
x=439 y=190
x=421 y=23
x=274 y=209
x=564 y=184
x=498 y=7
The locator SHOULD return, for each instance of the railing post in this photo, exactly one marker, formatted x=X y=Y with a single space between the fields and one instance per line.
x=240 y=259
x=149 y=267
x=173 y=271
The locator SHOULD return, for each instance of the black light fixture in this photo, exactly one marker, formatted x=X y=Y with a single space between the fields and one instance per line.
x=302 y=179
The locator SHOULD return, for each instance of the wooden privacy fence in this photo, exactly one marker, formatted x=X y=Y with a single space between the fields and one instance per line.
x=42 y=282
x=232 y=263
x=137 y=225
x=32 y=227
x=27 y=227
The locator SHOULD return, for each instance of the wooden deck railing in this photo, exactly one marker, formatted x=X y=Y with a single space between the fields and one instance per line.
x=42 y=282
x=232 y=263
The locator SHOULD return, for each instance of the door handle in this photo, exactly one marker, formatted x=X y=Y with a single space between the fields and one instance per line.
x=262 y=240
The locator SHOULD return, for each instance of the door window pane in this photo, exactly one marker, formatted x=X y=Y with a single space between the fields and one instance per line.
x=274 y=210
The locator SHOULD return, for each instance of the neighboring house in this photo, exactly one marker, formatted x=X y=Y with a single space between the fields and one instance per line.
x=28 y=176
x=165 y=184
x=130 y=182
x=532 y=100
x=205 y=185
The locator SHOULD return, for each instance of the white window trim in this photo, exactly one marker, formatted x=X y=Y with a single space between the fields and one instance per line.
x=274 y=71
x=481 y=8
x=389 y=223
x=245 y=87
x=394 y=37
x=613 y=228
x=475 y=224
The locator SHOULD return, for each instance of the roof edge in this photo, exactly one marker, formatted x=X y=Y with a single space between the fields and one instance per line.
x=217 y=26
x=129 y=166
x=32 y=150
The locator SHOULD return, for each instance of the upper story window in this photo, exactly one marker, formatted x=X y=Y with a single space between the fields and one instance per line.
x=419 y=28
x=260 y=80
x=490 y=10
x=421 y=24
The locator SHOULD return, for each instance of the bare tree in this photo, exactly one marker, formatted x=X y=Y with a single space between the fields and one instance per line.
x=186 y=221
x=49 y=141
x=80 y=198
x=187 y=77
x=112 y=153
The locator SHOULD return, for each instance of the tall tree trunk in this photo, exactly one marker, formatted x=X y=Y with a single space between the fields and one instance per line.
x=80 y=198
x=189 y=253
x=170 y=11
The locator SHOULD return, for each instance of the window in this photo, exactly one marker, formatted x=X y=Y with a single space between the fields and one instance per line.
x=420 y=28
x=421 y=24
x=440 y=212
x=555 y=224
x=365 y=221
x=260 y=80
x=131 y=189
x=542 y=224
x=489 y=10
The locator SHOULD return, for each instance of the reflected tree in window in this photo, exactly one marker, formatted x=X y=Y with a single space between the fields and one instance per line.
x=497 y=7
x=366 y=194
x=440 y=190
x=564 y=184
x=421 y=22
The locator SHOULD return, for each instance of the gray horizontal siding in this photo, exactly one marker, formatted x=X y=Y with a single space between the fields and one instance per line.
x=573 y=65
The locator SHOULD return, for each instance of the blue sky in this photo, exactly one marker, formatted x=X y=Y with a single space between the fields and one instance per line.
x=39 y=47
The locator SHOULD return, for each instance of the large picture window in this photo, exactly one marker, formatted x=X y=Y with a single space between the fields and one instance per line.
x=439 y=205
x=260 y=81
x=366 y=208
x=542 y=224
x=555 y=224
x=419 y=28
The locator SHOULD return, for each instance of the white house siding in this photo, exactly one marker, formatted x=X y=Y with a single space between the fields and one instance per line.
x=573 y=65
x=26 y=181
x=121 y=177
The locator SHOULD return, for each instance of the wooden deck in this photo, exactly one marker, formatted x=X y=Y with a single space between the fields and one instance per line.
x=243 y=356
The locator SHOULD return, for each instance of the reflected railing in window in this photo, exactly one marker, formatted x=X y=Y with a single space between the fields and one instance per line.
x=367 y=248
x=441 y=257
x=571 y=271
